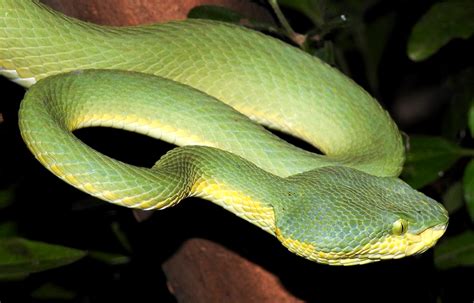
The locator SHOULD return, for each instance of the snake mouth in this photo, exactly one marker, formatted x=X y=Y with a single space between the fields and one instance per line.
x=419 y=243
x=391 y=247
x=396 y=247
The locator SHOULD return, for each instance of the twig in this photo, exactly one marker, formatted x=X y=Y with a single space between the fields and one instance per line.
x=299 y=39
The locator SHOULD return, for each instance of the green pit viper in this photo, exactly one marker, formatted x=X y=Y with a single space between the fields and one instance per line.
x=208 y=87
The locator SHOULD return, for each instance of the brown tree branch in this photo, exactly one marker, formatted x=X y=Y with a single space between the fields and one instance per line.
x=132 y=12
x=203 y=271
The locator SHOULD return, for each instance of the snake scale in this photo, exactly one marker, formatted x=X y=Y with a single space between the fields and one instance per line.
x=208 y=87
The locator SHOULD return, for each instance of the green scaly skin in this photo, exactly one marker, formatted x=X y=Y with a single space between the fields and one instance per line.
x=340 y=208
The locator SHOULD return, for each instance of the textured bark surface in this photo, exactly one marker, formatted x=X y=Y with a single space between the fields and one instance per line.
x=132 y=12
x=200 y=271
x=203 y=271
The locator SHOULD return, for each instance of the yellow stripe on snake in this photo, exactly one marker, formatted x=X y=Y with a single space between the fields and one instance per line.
x=205 y=86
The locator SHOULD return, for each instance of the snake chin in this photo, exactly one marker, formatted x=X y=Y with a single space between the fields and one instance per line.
x=419 y=243
x=391 y=247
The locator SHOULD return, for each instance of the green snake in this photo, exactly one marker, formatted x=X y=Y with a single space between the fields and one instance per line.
x=208 y=87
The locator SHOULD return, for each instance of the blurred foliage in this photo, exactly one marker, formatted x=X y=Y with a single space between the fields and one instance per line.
x=21 y=257
x=428 y=158
x=443 y=22
x=455 y=251
x=335 y=31
x=453 y=198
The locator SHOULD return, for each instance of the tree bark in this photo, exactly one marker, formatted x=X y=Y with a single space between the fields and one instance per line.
x=203 y=271
x=133 y=12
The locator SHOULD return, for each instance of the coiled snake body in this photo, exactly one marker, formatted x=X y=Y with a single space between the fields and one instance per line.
x=202 y=85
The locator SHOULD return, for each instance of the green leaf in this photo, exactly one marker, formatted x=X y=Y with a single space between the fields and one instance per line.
x=213 y=12
x=121 y=236
x=443 y=22
x=428 y=158
x=468 y=184
x=51 y=291
x=455 y=251
x=20 y=257
x=109 y=258
x=453 y=198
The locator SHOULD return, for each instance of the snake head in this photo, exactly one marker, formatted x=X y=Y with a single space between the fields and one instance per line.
x=342 y=216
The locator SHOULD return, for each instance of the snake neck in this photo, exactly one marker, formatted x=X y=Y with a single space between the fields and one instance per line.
x=229 y=181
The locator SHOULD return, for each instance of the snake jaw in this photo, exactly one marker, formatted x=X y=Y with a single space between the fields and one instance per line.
x=390 y=247
x=423 y=241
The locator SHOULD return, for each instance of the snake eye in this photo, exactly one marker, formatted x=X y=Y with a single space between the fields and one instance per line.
x=399 y=227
